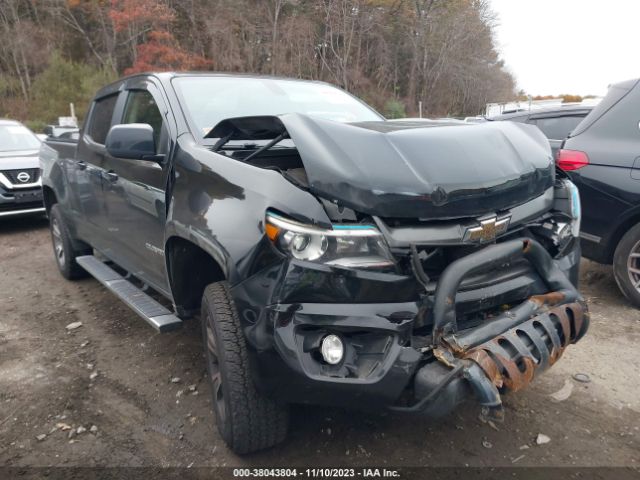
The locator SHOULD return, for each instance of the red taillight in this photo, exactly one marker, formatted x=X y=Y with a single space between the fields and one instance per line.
x=571 y=159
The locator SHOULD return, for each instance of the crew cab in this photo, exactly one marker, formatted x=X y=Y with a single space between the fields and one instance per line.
x=20 y=187
x=332 y=257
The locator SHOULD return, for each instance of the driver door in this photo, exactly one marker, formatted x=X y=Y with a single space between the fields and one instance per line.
x=135 y=205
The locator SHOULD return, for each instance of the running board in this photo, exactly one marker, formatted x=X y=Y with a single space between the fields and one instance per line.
x=155 y=314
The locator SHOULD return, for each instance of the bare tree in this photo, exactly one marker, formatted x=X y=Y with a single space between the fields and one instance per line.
x=440 y=52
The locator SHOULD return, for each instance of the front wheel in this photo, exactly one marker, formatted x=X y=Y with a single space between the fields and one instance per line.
x=247 y=420
x=626 y=265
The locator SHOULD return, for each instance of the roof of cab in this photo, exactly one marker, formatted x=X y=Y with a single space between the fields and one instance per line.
x=166 y=77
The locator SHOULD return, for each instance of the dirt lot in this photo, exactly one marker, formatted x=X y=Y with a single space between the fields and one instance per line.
x=48 y=378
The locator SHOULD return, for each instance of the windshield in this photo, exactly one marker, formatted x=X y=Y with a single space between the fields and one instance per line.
x=17 y=137
x=208 y=100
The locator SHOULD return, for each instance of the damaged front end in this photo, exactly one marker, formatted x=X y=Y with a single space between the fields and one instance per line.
x=422 y=326
x=505 y=353
x=445 y=268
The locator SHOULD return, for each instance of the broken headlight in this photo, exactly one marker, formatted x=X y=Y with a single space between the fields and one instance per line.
x=567 y=201
x=347 y=246
x=560 y=230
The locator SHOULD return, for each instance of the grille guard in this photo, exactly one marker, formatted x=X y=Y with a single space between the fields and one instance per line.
x=503 y=354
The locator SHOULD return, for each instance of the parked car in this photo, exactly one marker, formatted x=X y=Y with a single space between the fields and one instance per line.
x=602 y=157
x=60 y=131
x=335 y=258
x=556 y=123
x=20 y=185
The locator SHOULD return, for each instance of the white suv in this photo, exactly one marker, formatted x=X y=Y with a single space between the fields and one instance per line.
x=20 y=185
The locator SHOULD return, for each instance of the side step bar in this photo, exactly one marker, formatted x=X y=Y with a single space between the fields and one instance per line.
x=155 y=314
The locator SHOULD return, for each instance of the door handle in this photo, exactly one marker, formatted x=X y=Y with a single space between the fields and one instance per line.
x=81 y=164
x=110 y=175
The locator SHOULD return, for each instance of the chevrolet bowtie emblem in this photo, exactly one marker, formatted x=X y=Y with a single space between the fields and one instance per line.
x=488 y=230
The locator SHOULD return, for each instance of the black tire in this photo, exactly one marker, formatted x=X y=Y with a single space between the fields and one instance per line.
x=626 y=265
x=63 y=246
x=247 y=420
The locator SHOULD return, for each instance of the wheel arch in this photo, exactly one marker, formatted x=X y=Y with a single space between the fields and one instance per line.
x=623 y=227
x=49 y=197
x=190 y=269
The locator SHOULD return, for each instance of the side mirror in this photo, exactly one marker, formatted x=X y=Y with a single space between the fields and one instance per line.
x=132 y=140
x=48 y=130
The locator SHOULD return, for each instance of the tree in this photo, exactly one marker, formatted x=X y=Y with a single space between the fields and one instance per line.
x=146 y=24
x=388 y=52
x=158 y=53
x=65 y=82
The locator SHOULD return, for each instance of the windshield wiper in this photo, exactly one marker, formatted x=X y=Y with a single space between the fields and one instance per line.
x=266 y=147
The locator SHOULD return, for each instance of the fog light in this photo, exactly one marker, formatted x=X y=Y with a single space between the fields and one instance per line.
x=332 y=349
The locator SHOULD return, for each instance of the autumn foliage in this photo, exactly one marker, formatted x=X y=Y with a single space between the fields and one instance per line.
x=149 y=21
x=159 y=53
x=398 y=55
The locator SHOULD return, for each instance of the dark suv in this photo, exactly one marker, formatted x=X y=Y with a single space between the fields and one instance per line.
x=556 y=123
x=602 y=157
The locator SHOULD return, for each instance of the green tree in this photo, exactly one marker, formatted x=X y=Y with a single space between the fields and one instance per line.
x=394 y=109
x=64 y=82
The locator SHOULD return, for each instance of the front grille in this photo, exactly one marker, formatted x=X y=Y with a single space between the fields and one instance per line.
x=12 y=175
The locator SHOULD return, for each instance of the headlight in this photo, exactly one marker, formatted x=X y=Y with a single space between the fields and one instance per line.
x=576 y=208
x=348 y=246
x=567 y=200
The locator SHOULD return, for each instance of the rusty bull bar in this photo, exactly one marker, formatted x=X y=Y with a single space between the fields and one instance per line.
x=503 y=354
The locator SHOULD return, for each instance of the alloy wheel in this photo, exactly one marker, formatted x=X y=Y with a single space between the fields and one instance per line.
x=633 y=266
x=58 y=246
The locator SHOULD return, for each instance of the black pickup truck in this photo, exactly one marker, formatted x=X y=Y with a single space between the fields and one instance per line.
x=332 y=257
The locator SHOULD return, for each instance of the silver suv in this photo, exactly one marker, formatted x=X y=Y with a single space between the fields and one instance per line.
x=20 y=185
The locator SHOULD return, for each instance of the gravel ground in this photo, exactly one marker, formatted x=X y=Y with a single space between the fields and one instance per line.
x=145 y=396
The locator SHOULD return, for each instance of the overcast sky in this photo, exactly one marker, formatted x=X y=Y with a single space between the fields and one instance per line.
x=569 y=46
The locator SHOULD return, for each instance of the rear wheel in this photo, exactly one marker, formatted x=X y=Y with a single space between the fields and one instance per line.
x=246 y=419
x=626 y=265
x=63 y=246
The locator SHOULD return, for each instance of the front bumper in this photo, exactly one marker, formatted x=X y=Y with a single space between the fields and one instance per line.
x=411 y=354
x=26 y=201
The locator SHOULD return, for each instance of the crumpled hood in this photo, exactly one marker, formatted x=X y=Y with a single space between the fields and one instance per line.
x=413 y=170
x=15 y=160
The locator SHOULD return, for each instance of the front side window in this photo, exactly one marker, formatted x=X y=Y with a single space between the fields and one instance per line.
x=101 y=118
x=209 y=100
x=142 y=108
x=14 y=138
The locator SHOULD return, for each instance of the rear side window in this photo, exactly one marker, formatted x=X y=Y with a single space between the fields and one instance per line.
x=557 y=128
x=101 y=118
x=616 y=93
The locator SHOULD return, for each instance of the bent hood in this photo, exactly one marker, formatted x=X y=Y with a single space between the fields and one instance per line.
x=422 y=170
x=411 y=169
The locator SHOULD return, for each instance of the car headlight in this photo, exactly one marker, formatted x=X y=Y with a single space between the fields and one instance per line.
x=348 y=246
x=567 y=201
x=576 y=208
